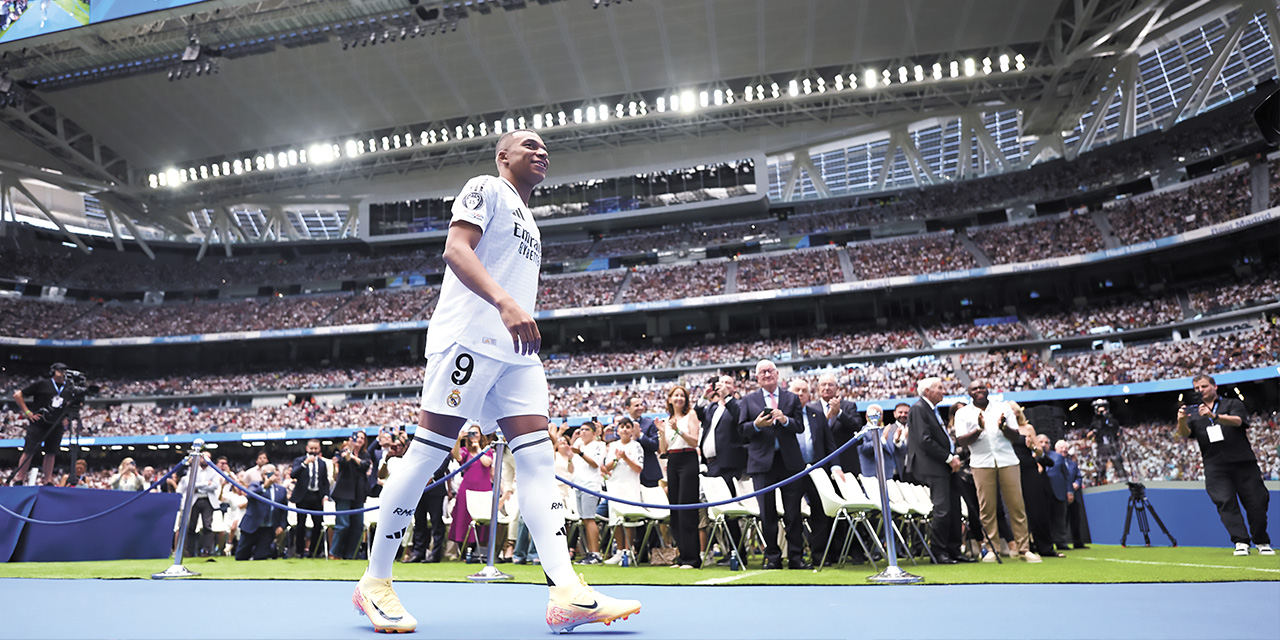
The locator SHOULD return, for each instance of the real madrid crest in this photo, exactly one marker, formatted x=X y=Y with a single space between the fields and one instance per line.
x=454 y=399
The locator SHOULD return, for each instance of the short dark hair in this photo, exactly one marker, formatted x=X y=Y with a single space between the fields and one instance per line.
x=1204 y=376
x=901 y=404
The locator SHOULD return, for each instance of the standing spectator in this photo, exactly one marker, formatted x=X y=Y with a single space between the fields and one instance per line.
x=350 y=487
x=989 y=430
x=311 y=474
x=1219 y=426
x=42 y=404
x=842 y=416
x=932 y=459
x=207 y=482
x=815 y=442
x=624 y=463
x=127 y=478
x=678 y=442
x=1059 y=485
x=652 y=472
x=428 y=519
x=770 y=419
x=720 y=444
x=477 y=477
x=262 y=522
x=589 y=454
x=1075 y=494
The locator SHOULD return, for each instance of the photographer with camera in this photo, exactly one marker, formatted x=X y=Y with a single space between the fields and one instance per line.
x=1219 y=426
x=1106 y=433
x=43 y=404
x=350 y=487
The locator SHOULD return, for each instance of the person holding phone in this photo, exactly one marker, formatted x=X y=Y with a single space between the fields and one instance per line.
x=1220 y=426
x=769 y=419
x=350 y=487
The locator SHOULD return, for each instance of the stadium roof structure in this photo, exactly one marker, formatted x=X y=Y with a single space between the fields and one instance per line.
x=223 y=102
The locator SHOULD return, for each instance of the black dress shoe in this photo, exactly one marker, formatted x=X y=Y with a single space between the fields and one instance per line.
x=962 y=558
x=943 y=558
x=800 y=564
x=772 y=564
x=1080 y=546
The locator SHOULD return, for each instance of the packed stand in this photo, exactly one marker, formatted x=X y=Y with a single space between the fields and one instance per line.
x=566 y=251
x=1158 y=216
x=910 y=256
x=1166 y=360
x=387 y=305
x=977 y=334
x=591 y=290
x=730 y=351
x=125 y=320
x=1012 y=371
x=801 y=268
x=642 y=241
x=842 y=343
x=676 y=281
x=45 y=267
x=893 y=379
x=1026 y=242
x=624 y=358
x=37 y=318
x=1258 y=289
x=1119 y=316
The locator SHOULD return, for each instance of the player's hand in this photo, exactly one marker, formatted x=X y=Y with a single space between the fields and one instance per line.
x=525 y=337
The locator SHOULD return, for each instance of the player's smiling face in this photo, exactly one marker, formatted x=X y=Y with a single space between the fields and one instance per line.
x=527 y=158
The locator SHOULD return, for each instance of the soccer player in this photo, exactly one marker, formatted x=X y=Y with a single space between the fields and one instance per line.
x=482 y=363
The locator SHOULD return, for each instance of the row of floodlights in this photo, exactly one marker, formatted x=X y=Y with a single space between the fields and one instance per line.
x=679 y=102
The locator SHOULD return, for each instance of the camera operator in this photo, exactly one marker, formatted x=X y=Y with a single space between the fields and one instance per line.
x=1106 y=433
x=1230 y=468
x=43 y=404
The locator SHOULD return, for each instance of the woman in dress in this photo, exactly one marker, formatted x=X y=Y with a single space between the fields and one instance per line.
x=477 y=477
x=678 y=441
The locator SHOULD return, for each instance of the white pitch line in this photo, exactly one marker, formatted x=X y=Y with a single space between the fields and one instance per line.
x=1184 y=564
x=712 y=581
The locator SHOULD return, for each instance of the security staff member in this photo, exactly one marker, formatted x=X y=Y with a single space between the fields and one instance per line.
x=42 y=403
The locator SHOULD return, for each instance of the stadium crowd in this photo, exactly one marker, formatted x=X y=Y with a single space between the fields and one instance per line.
x=839 y=343
x=933 y=253
x=568 y=292
x=1165 y=360
x=1038 y=239
x=976 y=334
x=1211 y=201
x=1012 y=370
x=676 y=282
x=1118 y=316
x=803 y=268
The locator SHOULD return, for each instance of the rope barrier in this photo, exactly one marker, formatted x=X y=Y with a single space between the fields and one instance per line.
x=704 y=505
x=474 y=459
x=99 y=515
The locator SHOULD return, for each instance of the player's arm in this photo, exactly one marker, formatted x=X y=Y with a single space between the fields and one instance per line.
x=460 y=255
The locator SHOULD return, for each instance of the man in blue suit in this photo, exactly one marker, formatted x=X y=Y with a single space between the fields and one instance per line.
x=769 y=418
x=1059 y=488
x=650 y=472
x=1075 y=495
x=262 y=523
x=816 y=442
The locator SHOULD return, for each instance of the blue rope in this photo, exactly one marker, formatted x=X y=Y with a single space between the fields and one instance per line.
x=703 y=505
x=99 y=515
x=348 y=512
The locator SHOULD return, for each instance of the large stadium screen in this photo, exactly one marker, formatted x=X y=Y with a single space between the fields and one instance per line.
x=21 y=19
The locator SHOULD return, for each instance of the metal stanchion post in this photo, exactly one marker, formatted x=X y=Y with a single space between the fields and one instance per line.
x=891 y=574
x=491 y=573
x=193 y=465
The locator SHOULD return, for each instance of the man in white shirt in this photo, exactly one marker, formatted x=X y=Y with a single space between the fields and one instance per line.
x=588 y=454
x=988 y=429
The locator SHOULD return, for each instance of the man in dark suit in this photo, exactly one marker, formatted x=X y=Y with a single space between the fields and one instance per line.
x=932 y=460
x=816 y=442
x=262 y=523
x=1075 y=498
x=428 y=520
x=843 y=418
x=650 y=472
x=721 y=443
x=769 y=419
x=1059 y=486
x=311 y=478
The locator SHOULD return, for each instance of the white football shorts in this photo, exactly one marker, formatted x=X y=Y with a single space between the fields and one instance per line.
x=460 y=383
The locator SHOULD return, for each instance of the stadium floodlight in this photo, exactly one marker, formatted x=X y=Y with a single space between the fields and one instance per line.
x=718 y=97
x=173 y=177
x=937 y=71
x=970 y=67
x=704 y=98
x=591 y=114
x=351 y=149
x=986 y=65
x=919 y=71
x=153 y=181
x=1020 y=62
x=902 y=75
x=793 y=88
x=687 y=101
x=1004 y=63
x=773 y=86
x=577 y=116
x=871 y=78
x=511 y=124
x=602 y=113
x=955 y=69
x=886 y=77
x=662 y=104
x=537 y=121
x=839 y=82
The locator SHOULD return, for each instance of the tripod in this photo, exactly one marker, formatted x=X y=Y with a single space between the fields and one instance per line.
x=1138 y=500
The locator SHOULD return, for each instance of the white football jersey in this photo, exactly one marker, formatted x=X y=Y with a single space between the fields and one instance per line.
x=511 y=251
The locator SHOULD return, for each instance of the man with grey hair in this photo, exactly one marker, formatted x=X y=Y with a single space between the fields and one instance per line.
x=931 y=459
x=770 y=418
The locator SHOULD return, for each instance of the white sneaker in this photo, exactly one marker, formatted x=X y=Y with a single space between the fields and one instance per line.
x=988 y=556
x=579 y=604
x=1031 y=557
x=375 y=598
x=1265 y=549
x=616 y=558
x=1242 y=549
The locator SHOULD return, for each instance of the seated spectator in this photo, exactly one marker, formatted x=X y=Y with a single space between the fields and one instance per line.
x=800 y=268
x=1068 y=235
x=908 y=256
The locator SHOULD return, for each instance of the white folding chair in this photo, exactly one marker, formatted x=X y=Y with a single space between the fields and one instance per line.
x=896 y=508
x=715 y=489
x=480 y=508
x=842 y=509
x=657 y=516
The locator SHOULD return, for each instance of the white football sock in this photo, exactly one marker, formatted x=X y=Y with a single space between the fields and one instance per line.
x=540 y=505
x=400 y=497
